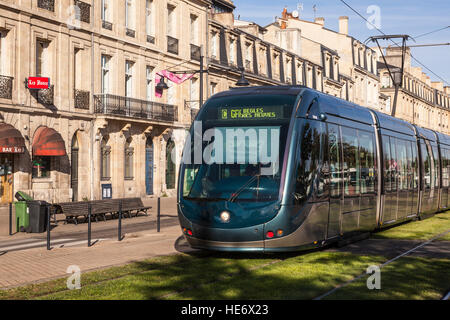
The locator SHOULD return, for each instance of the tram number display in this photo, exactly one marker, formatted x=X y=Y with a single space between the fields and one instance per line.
x=251 y=113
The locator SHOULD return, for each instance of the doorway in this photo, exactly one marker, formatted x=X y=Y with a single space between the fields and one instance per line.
x=6 y=178
x=149 y=166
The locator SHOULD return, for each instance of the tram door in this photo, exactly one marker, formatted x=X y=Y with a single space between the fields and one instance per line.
x=6 y=178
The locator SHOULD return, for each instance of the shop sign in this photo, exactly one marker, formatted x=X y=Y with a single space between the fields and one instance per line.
x=12 y=149
x=38 y=83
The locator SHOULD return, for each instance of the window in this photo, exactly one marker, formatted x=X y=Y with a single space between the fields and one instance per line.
x=232 y=51
x=334 y=147
x=367 y=161
x=2 y=51
x=129 y=155
x=150 y=18
x=171 y=93
x=41 y=58
x=309 y=179
x=213 y=88
x=105 y=10
x=214 y=45
x=171 y=27
x=193 y=93
x=129 y=78
x=149 y=83
x=352 y=174
x=105 y=74
x=194 y=29
x=41 y=167
x=129 y=14
x=402 y=164
x=105 y=154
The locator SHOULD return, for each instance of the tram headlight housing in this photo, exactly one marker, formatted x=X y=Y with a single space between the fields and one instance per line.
x=225 y=216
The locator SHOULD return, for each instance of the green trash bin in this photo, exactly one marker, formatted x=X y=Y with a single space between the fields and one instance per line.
x=22 y=211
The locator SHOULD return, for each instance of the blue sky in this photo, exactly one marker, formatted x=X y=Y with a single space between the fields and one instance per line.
x=411 y=17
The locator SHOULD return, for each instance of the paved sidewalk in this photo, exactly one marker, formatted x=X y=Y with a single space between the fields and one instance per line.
x=37 y=265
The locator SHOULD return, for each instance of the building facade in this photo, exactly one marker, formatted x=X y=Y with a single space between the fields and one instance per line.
x=100 y=129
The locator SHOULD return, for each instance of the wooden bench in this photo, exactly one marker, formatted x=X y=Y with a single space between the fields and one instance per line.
x=134 y=204
x=100 y=208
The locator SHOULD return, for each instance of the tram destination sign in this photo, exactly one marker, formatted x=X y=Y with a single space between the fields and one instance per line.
x=251 y=113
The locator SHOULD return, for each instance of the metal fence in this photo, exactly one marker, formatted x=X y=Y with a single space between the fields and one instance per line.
x=135 y=108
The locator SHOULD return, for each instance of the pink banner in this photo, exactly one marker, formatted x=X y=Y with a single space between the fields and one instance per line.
x=178 y=79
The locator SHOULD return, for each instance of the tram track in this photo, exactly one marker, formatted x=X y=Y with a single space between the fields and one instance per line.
x=423 y=244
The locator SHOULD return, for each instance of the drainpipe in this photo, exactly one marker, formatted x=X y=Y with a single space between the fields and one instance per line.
x=92 y=137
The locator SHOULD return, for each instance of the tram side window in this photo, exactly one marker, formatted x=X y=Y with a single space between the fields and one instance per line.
x=387 y=163
x=393 y=167
x=367 y=161
x=426 y=165
x=414 y=165
x=402 y=163
x=335 y=160
x=351 y=162
x=445 y=169
x=436 y=167
x=310 y=181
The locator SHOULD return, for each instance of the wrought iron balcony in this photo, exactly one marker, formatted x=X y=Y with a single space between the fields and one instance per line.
x=150 y=39
x=47 y=5
x=6 y=84
x=82 y=99
x=172 y=45
x=195 y=52
x=106 y=25
x=45 y=96
x=131 y=33
x=84 y=11
x=134 y=108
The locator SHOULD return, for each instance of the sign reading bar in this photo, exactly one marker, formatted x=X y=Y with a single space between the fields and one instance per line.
x=251 y=113
x=12 y=149
x=38 y=83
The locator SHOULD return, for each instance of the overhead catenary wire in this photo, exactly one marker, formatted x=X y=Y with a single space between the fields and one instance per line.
x=378 y=29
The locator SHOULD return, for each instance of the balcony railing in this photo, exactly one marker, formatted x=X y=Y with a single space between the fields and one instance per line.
x=150 y=39
x=45 y=96
x=84 y=11
x=131 y=33
x=195 y=52
x=134 y=108
x=82 y=99
x=6 y=84
x=106 y=25
x=47 y=5
x=172 y=45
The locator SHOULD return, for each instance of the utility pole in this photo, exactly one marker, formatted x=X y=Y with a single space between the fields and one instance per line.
x=396 y=74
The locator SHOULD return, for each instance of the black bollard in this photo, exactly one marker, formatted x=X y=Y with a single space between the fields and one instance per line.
x=10 y=218
x=158 y=217
x=48 y=227
x=120 y=222
x=89 y=224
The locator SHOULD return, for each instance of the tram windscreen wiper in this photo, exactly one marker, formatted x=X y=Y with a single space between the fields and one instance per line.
x=235 y=195
x=204 y=199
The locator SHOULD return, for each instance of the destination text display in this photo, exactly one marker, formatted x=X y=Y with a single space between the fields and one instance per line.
x=251 y=113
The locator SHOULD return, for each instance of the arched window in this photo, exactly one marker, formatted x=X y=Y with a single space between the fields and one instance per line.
x=105 y=163
x=129 y=155
x=170 y=165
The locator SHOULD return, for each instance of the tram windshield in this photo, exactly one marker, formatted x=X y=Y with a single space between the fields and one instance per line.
x=236 y=148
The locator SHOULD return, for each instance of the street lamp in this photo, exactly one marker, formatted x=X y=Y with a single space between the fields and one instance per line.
x=242 y=82
x=161 y=86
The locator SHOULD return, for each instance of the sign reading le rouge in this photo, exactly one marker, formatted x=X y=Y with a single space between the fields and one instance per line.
x=38 y=83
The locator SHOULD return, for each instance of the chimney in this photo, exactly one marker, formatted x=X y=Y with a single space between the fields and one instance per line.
x=284 y=14
x=320 y=21
x=343 y=25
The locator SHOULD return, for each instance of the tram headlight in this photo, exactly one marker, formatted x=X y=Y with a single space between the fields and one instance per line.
x=225 y=216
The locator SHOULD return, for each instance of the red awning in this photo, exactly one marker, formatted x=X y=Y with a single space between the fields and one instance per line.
x=48 y=142
x=11 y=140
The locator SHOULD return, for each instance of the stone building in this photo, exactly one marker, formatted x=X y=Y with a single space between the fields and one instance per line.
x=420 y=100
x=99 y=130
